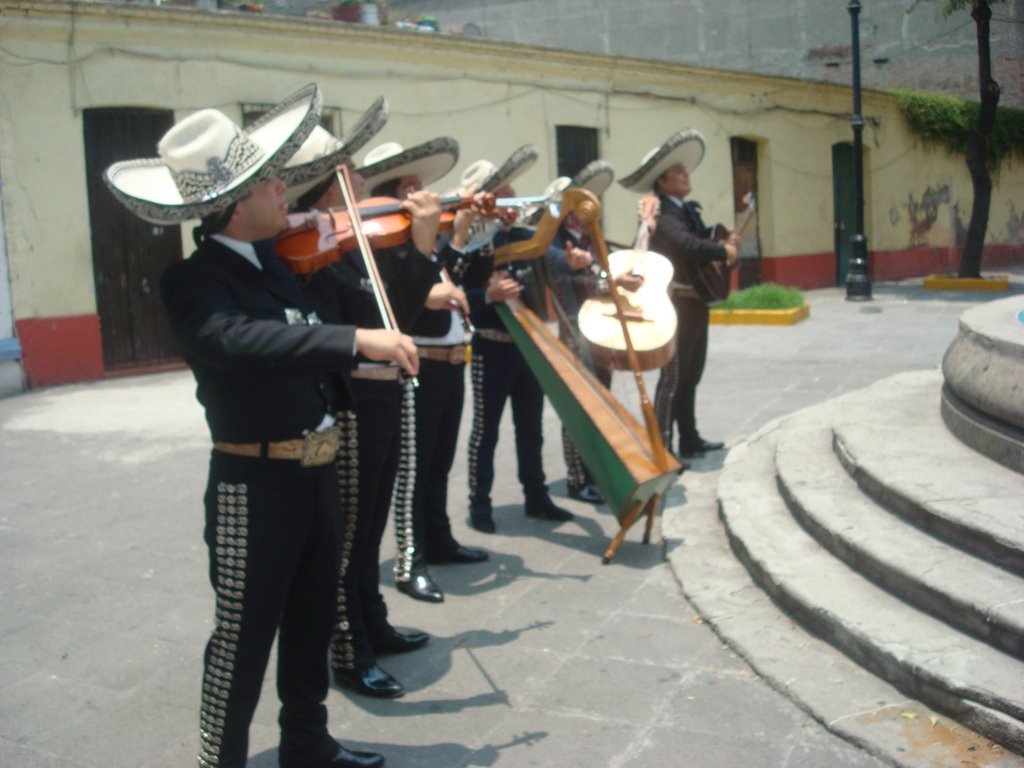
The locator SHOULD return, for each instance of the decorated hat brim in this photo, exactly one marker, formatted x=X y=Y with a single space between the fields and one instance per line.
x=148 y=189
x=429 y=161
x=595 y=177
x=307 y=175
x=518 y=163
x=686 y=147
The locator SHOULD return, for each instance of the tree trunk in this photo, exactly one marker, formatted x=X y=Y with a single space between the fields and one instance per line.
x=384 y=10
x=977 y=142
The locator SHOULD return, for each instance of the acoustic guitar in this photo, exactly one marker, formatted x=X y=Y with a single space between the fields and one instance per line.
x=648 y=311
x=713 y=280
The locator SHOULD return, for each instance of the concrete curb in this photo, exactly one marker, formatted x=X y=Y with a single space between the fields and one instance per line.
x=759 y=316
x=952 y=283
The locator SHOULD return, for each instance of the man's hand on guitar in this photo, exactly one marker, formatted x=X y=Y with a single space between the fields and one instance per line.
x=577 y=258
x=629 y=281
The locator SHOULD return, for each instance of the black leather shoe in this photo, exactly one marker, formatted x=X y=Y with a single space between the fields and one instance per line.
x=483 y=522
x=349 y=758
x=546 y=510
x=421 y=587
x=697 y=449
x=394 y=641
x=589 y=493
x=370 y=680
x=459 y=554
x=343 y=758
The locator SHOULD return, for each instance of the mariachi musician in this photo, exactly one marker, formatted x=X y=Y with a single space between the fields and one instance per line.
x=367 y=471
x=442 y=338
x=576 y=278
x=499 y=371
x=261 y=360
x=681 y=235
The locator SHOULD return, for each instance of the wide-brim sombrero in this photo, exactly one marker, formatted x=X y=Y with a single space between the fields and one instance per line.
x=321 y=153
x=518 y=163
x=207 y=162
x=686 y=147
x=429 y=161
x=596 y=176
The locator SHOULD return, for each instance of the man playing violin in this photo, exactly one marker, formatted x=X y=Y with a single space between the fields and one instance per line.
x=682 y=236
x=262 y=362
x=372 y=430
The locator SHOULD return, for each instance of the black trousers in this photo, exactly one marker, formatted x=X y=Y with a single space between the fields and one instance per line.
x=272 y=534
x=500 y=373
x=366 y=475
x=675 y=397
x=439 y=402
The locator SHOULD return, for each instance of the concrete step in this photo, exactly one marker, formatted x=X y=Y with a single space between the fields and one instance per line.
x=977 y=685
x=962 y=590
x=850 y=701
x=885 y=437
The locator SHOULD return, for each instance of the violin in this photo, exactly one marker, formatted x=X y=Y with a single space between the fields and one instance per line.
x=315 y=239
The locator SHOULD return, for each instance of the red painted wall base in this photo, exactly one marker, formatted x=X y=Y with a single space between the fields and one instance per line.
x=818 y=270
x=60 y=350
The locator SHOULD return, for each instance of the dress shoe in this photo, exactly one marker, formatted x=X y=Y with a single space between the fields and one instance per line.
x=482 y=521
x=343 y=758
x=699 y=447
x=545 y=509
x=393 y=641
x=369 y=680
x=349 y=758
x=421 y=586
x=589 y=493
x=459 y=554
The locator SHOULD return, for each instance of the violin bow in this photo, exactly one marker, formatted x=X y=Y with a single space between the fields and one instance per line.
x=383 y=305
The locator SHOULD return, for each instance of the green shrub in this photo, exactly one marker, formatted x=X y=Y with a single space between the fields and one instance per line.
x=764 y=296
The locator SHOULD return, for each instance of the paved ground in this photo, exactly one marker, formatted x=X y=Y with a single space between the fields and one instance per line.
x=540 y=657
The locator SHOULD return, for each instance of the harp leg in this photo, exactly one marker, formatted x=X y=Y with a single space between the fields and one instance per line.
x=652 y=508
x=627 y=523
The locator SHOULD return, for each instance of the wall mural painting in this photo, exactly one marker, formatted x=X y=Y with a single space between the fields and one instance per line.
x=1014 y=226
x=923 y=215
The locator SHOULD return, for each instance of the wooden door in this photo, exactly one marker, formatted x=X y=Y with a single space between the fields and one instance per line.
x=844 y=207
x=128 y=254
x=744 y=180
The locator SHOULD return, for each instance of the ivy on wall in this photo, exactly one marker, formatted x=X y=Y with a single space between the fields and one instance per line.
x=945 y=121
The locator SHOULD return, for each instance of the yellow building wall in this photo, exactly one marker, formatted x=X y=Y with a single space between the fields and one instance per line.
x=58 y=59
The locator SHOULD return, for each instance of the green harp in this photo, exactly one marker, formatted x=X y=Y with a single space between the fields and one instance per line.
x=627 y=460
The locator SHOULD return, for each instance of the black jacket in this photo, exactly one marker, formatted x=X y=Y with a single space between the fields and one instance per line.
x=684 y=239
x=259 y=376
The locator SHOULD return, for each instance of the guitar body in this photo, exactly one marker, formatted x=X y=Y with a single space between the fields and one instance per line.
x=649 y=313
x=712 y=281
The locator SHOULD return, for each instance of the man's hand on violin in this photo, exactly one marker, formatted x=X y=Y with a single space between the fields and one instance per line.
x=461 y=224
x=424 y=208
x=501 y=287
x=577 y=258
x=388 y=346
x=447 y=296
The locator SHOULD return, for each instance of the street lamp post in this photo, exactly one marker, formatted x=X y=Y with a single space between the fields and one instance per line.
x=858 y=284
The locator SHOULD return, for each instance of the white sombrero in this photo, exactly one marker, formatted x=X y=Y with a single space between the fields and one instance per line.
x=207 y=162
x=486 y=177
x=596 y=176
x=321 y=153
x=686 y=147
x=429 y=161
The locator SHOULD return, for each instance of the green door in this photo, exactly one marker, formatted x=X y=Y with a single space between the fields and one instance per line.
x=844 y=207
